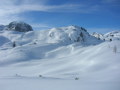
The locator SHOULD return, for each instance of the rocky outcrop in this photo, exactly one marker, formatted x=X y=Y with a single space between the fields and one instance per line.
x=19 y=26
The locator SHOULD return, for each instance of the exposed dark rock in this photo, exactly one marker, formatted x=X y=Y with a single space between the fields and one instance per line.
x=19 y=26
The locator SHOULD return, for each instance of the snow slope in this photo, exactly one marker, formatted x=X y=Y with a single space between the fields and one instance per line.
x=69 y=61
x=97 y=67
x=53 y=59
x=98 y=35
x=2 y=27
x=54 y=84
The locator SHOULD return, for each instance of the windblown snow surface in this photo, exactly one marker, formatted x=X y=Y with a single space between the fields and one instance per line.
x=55 y=60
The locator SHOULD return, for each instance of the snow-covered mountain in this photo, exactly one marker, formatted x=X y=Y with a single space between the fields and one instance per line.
x=114 y=35
x=98 y=35
x=39 y=43
x=110 y=36
x=62 y=35
x=71 y=34
x=19 y=26
x=58 y=55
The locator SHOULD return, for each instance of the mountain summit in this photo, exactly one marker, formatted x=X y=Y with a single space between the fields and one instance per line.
x=19 y=26
x=71 y=34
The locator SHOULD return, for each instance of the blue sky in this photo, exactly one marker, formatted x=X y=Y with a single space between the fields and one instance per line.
x=95 y=15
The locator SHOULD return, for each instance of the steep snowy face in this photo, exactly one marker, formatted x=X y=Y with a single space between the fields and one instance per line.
x=19 y=26
x=71 y=34
x=114 y=35
x=98 y=35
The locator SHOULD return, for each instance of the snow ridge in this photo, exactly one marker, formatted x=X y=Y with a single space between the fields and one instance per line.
x=110 y=36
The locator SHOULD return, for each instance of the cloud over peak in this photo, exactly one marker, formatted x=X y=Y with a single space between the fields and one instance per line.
x=10 y=8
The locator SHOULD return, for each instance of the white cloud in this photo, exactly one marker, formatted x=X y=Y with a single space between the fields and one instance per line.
x=14 y=9
x=11 y=9
x=6 y=19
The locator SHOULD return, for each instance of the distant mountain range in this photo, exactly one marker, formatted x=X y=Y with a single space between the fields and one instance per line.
x=18 y=32
x=74 y=33
x=110 y=36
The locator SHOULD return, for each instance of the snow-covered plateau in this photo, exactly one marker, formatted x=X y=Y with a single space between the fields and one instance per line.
x=65 y=58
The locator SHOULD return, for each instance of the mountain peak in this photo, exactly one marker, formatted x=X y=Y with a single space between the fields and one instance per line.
x=76 y=27
x=19 y=26
x=71 y=34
